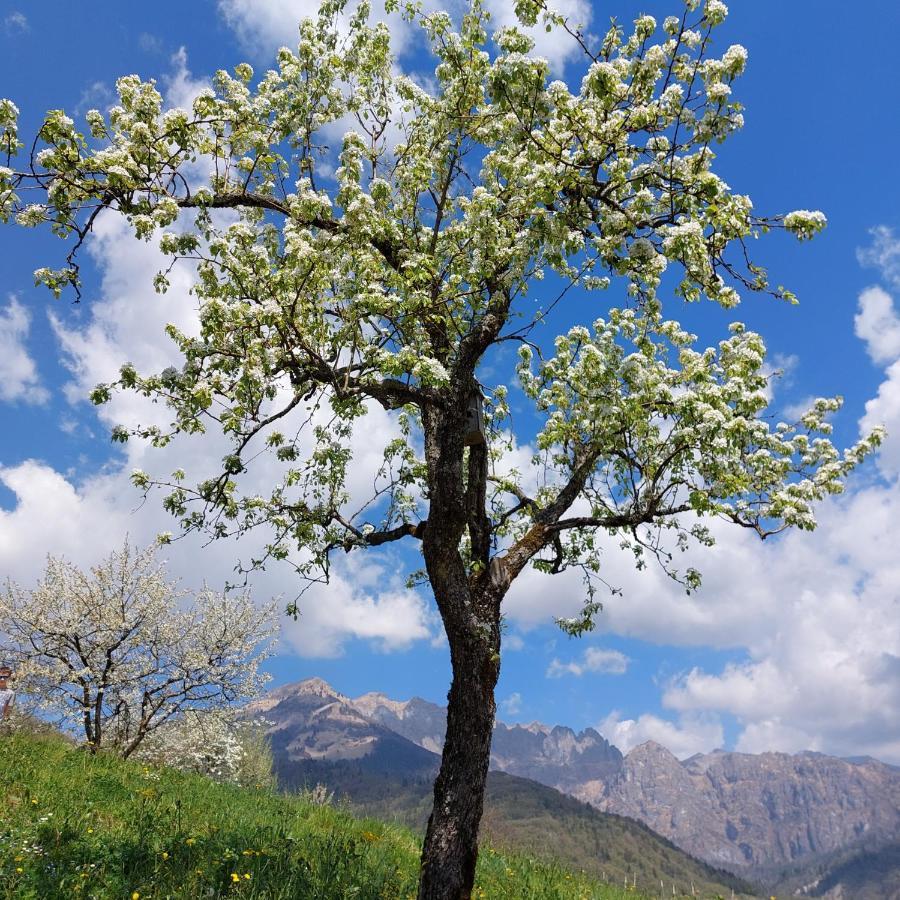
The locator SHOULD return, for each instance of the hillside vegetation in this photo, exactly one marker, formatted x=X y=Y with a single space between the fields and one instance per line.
x=531 y=818
x=76 y=825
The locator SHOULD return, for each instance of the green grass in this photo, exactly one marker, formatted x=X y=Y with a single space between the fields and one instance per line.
x=76 y=825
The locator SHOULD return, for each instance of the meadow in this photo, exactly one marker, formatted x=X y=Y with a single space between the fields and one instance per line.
x=78 y=825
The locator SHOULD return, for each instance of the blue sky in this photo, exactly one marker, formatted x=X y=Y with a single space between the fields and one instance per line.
x=790 y=645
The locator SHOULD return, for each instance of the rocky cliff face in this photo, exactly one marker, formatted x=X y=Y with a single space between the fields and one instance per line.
x=559 y=757
x=417 y=720
x=756 y=815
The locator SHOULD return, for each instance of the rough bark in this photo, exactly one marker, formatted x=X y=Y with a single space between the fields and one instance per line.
x=470 y=610
x=450 y=851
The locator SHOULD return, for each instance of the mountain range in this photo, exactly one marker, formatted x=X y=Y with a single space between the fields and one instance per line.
x=807 y=823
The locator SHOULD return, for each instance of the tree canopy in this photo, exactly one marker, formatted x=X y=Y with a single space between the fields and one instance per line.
x=366 y=238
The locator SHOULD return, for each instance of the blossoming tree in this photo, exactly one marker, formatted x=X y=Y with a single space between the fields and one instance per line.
x=390 y=280
x=113 y=654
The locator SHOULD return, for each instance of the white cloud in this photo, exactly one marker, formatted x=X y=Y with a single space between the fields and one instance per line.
x=883 y=254
x=19 y=380
x=97 y=95
x=182 y=88
x=816 y=617
x=53 y=515
x=594 y=659
x=779 y=372
x=878 y=324
x=262 y=26
x=512 y=705
x=556 y=46
x=361 y=601
x=793 y=411
x=691 y=734
x=16 y=23
x=127 y=323
x=150 y=43
x=884 y=409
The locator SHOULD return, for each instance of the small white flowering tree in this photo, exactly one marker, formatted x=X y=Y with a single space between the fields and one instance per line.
x=392 y=280
x=217 y=743
x=117 y=654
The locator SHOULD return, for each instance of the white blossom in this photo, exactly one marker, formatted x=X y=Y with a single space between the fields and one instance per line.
x=805 y=223
x=119 y=652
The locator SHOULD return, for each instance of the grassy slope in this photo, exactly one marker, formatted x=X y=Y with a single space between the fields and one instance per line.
x=537 y=819
x=72 y=825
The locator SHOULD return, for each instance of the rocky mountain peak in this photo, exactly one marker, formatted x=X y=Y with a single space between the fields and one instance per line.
x=316 y=687
x=370 y=703
x=650 y=750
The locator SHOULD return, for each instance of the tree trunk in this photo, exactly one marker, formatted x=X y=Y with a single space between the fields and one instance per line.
x=450 y=850
x=470 y=609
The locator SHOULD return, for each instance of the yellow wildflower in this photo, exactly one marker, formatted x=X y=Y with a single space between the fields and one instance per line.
x=235 y=877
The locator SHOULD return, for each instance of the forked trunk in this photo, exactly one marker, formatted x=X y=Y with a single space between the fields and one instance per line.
x=450 y=850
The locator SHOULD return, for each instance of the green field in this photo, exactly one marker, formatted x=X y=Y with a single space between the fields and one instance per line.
x=76 y=825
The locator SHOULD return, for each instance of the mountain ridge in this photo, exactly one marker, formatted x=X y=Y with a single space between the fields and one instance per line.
x=762 y=816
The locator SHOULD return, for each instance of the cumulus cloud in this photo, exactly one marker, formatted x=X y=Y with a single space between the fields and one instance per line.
x=511 y=705
x=594 y=659
x=53 y=515
x=691 y=734
x=262 y=26
x=363 y=600
x=816 y=618
x=878 y=324
x=19 y=380
x=883 y=254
